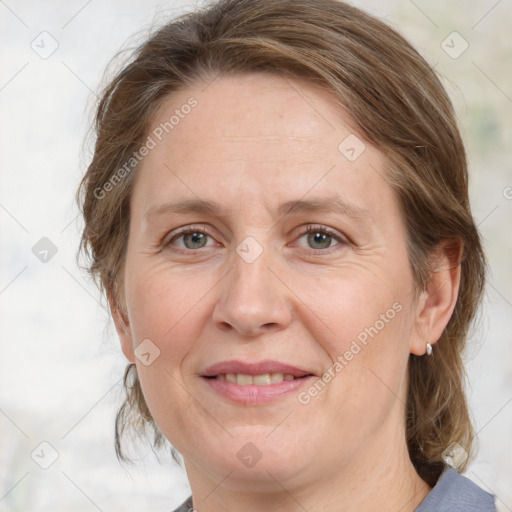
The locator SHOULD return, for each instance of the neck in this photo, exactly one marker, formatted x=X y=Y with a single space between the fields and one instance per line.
x=382 y=478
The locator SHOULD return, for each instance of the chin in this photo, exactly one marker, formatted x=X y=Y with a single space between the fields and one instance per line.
x=257 y=458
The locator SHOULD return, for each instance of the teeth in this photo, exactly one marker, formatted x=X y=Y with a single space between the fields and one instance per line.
x=276 y=377
x=262 y=380
x=258 y=380
x=243 y=380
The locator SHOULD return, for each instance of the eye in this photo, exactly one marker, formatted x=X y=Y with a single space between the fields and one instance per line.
x=319 y=237
x=194 y=237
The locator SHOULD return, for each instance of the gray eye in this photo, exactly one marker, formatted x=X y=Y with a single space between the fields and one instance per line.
x=318 y=237
x=194 y=240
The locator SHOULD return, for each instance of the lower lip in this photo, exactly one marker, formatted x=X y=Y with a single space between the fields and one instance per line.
x=253 y=394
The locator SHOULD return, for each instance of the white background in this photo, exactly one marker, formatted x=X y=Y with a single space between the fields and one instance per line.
x=60 y=362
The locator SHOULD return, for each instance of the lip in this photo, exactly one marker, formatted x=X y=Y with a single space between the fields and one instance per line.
x=253 y=394
x=258 y=368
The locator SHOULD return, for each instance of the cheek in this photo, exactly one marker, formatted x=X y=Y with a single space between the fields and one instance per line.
x=161 y=303
x=364 y=327
x=165 y=307
x=349 y=305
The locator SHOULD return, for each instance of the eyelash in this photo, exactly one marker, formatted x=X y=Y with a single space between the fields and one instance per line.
x=310 y=229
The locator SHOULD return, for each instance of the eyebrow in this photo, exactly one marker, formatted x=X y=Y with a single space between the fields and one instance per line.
x=328 y=205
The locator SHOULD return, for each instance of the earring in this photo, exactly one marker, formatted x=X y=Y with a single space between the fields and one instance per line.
x=429 y=349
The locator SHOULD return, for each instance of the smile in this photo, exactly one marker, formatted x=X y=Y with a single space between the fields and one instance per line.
x=264 y=379
x=255 y=389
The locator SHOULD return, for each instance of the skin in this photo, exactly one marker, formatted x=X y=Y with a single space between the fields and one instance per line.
x=252 y=142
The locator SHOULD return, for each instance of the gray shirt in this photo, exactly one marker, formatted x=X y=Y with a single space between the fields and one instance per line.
x=456 y=493
x=452 y=493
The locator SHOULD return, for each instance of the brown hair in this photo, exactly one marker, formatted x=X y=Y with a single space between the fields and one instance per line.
x=399 y=105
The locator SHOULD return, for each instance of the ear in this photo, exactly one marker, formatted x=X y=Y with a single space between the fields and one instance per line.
x=437 y=301
x=122 y=327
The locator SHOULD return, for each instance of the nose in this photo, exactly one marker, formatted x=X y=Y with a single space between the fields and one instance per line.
x=254 y=299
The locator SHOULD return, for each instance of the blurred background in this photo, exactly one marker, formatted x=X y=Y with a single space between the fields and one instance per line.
x=60 y=362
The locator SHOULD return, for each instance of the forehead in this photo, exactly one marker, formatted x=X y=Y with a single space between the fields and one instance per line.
x=255 y=132
x=275 y=109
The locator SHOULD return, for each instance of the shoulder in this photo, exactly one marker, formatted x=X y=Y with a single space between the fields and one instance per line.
x=456 y=493
x=452 y=493
x=186 y=506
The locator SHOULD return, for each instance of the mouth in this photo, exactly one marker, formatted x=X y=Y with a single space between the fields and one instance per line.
x=254 y=383
x=263 y=371
x=264 y=379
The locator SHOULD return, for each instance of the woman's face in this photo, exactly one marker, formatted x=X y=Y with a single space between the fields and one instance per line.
x=273 y=157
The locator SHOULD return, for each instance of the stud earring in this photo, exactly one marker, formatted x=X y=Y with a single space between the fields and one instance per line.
x=429 y=349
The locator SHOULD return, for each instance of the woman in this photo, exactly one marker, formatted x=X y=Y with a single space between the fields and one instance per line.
x=289 y=375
